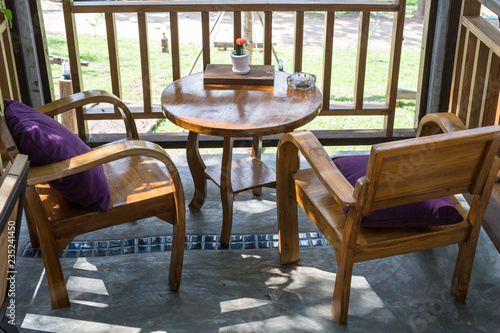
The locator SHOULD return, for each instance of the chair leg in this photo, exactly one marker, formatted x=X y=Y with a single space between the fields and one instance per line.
x=345 y=262
x=288 y=224
x=177 y=256
x=33 y=233
x=55 y=278
x=342 y=289
x=463 y=269
x=287 y=163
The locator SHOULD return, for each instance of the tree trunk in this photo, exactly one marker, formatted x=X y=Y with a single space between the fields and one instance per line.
x=421 y=8
x=248 y=32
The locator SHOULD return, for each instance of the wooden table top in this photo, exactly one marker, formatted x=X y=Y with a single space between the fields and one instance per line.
x=238 y=110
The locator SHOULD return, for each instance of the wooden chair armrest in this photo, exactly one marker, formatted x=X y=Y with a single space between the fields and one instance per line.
x=92 y=96
x=328 y=173
x=45 y=173
x=434 y=123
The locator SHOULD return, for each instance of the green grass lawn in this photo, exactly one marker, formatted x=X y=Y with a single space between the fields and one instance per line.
x=97 y=75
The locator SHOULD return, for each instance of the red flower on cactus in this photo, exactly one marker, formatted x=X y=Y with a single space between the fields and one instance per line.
x=239 y=46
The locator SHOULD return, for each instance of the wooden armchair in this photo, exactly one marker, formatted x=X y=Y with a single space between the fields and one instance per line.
x=440 y=165
x=138 y=187
x=12 y=190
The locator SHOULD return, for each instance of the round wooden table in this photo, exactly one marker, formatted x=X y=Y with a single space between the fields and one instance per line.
x=235 y=111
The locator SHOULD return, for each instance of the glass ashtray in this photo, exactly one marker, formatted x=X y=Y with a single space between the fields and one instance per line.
x=301 y=81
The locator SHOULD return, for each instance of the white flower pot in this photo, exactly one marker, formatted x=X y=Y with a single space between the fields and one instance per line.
x=240 y=62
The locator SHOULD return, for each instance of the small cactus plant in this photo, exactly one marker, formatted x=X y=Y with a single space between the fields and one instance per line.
x=239 y=46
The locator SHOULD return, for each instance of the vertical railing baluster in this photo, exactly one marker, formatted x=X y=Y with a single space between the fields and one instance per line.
x=74 y=61
x=144 y=52
x=268 y=37
x=466 y=76
x=236 y=27
x=490 y=100
x=114 y=59
x=174 y=43
x=457 y=70
x=298 y=45
x=11 y=63
x=359 y=83
x=298 y=53
x=5 y=78
x=472 y=8
x=475 y=113
x=327 y=59
x=205 y=32
x=394 y=64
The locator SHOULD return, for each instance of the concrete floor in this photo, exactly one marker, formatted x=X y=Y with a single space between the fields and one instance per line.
x=249 y=290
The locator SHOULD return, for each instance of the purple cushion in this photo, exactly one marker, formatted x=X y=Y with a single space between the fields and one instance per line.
x=46 y=141
x=439 y=211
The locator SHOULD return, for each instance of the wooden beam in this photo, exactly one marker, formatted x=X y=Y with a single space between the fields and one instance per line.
x=74 y=61
x=449 y=56
x=144 y=51
x=466 y=76
x=174 y=43
x=476 y=113
x=427 y=49
x=493 y=5
x=394 y=65
x=46 y=84
x=490 y=99
x=114 y=59
x=268 y=37
x=236 y=27
x=231 y=6
x=298 y=42
x=326 y=137
x=205 y=35
x=484 y=31
x=327 y=58
x=359 y=83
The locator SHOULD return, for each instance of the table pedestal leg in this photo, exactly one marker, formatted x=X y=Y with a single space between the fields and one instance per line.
x=226 y=191
x=197 y=168
x=256 y=152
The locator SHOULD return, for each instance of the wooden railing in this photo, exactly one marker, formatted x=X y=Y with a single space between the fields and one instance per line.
x=330 y=7
x=476 y=87
x=476 y=79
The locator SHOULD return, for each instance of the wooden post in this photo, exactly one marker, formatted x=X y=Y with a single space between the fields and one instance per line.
x=68 y=119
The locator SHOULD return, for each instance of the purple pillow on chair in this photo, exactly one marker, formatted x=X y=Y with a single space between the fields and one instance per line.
x=439 y=211
x=46 y=141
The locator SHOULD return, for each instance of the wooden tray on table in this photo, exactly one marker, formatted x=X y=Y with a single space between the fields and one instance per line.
x=223 y=74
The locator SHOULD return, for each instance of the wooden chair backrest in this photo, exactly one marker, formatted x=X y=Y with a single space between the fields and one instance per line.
x=430 y=167
x=12 y=189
